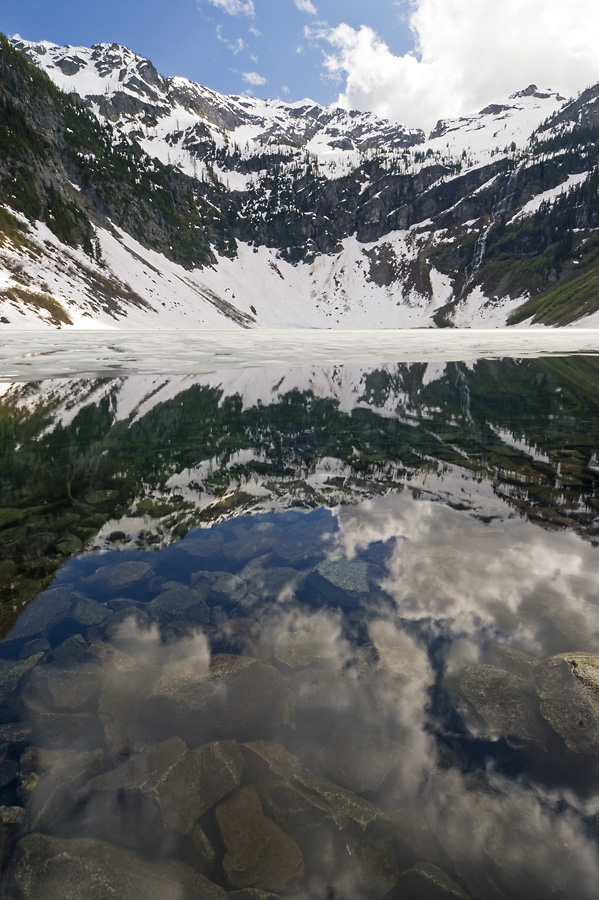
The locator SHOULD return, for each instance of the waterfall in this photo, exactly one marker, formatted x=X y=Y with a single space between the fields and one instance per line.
x=500 y=206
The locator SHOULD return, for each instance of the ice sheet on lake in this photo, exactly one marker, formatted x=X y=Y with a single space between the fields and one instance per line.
x=31 y=356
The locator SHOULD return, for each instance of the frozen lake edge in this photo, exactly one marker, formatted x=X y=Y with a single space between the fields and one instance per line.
x=32 y=356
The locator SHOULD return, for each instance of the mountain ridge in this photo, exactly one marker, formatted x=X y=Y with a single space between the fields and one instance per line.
x=271 y=214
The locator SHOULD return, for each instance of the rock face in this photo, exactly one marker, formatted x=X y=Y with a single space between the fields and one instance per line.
x=259 y=854
x=44 y=867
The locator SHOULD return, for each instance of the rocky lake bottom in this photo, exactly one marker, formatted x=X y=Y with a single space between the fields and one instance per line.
x=315 y=633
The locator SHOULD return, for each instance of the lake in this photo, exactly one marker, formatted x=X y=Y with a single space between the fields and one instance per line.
x=301 y=616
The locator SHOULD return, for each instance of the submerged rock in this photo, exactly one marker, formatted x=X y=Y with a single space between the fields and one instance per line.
x=50 y=780
x=44 y=867
x=11 y=818
x=346 y=842
x=112 y=580
x=514 y=661
x=340 y=582
x=180 y=603
x=259 y=853
x=228 y=590
x=43 y=615
x=88 y=612
x=347 y=574
x=358 y=757
x=413 y=840
x=302 y=648
x=11 y=674
x=507 y=704
x=568 y=687
x=162 y=791
x=198 y=699
x=241 y=635
x=505 y=842
x=427 y=882
x=63 y=689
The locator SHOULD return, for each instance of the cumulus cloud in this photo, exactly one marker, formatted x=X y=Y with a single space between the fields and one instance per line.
x=306 y=6
x=465 y=56
x=235 y=7
x=253 y=78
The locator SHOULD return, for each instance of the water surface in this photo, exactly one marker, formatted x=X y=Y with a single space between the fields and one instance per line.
x=319 y=631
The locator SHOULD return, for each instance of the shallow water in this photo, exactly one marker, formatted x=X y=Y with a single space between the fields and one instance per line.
x=315 y=632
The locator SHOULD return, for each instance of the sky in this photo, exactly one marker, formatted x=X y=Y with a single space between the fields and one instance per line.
x=413 y=61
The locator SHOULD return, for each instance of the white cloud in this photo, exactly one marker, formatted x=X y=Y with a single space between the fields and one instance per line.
x=234 y=46
x=235 y=7
x=465 y=56
x=255 y=32
x=253 y=78
x=306 y=6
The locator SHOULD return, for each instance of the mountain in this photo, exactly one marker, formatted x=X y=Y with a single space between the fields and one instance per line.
x=130 y=199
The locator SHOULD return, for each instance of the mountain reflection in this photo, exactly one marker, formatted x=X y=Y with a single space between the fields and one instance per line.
x=141 y=460
x=318 y=633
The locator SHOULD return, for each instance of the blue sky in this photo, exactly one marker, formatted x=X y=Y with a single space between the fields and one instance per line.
x=206 y=43
x=413 y=61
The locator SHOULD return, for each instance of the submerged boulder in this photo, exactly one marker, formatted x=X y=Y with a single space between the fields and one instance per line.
x=360 y=757
x=200 y=699
x=112 y=580
x=259 y=854
x=11 y=818
x=568 y=688
x=11 y=674
x=163 y=791
x=347 y=842
x=426 y=881
x=44 y=867
x=507 y=704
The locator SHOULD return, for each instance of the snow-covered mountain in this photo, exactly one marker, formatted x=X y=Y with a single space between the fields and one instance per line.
x=181 y=205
